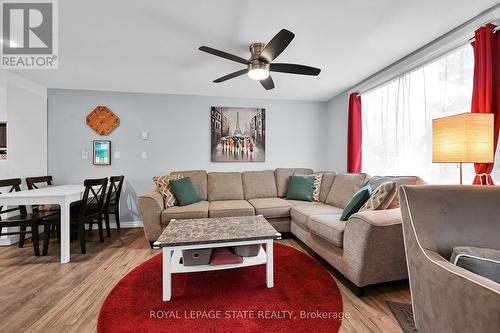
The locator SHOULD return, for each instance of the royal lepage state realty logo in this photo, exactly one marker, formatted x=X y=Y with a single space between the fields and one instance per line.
x=29 y=38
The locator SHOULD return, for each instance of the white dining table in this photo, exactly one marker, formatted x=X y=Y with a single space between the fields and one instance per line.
x=62 y=195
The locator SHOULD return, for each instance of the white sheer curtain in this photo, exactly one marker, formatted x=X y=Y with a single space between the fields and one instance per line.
x=397 y=119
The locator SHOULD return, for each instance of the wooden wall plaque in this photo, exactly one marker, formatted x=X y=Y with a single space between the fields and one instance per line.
x=102 y=120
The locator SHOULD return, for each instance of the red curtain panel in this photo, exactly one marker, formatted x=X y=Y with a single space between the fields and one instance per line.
x=486 y=94
x=354 y=134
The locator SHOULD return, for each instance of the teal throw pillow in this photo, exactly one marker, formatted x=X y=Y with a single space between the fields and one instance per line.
x=184 y=191
x=358 y=199
x=300 y=188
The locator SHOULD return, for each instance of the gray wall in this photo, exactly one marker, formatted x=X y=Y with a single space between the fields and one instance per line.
x=337 y=115
x=179 y=137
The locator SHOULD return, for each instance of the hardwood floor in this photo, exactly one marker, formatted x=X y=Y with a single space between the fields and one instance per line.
x=38 y=294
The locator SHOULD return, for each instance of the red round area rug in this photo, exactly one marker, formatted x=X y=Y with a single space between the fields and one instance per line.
x=305 y=298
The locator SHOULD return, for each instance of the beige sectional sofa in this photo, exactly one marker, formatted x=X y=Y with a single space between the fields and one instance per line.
x=367 y=249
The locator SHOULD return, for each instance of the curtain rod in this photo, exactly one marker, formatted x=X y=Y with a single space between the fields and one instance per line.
x=497 y=28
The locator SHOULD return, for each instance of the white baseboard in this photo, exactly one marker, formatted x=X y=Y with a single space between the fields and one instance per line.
x=123 y=225
x=9 y=240
x=12 y=239
x=127 y=224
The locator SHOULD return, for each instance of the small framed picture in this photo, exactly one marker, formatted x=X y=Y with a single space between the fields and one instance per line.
x=102 y=152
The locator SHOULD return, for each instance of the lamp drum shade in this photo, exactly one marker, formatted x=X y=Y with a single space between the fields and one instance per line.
x=463 y=138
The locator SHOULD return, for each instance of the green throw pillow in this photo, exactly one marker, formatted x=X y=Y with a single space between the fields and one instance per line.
x=184 y=191
x=300 y=188
x=358 y=199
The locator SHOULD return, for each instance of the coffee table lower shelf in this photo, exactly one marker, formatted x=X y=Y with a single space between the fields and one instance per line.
x=177 y=267
x=172 y=256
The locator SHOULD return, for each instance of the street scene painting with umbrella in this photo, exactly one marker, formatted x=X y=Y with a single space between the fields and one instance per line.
x=238 y=134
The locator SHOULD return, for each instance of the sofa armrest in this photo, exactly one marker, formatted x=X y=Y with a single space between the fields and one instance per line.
x=374 y=247
x=379 y=218
x=151 y=205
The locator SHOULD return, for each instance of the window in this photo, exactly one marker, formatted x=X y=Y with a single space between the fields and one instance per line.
x=397 y=119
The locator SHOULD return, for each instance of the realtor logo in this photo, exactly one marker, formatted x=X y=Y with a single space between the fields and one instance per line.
x=29 y=34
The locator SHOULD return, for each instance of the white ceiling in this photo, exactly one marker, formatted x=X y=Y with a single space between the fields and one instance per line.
x=152 y=46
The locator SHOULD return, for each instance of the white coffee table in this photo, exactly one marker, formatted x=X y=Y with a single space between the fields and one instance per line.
x=205 y=233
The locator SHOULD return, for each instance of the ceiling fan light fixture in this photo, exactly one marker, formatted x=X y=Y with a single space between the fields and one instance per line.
x=258 y=74
x=258 y=70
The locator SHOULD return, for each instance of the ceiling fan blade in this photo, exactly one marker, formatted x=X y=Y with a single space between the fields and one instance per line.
x=294 y=69
x=268 y=83
x=274 y=48
x=231 y=76
x=223 y=54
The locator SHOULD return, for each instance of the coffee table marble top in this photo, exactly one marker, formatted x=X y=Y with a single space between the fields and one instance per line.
x=216 y=230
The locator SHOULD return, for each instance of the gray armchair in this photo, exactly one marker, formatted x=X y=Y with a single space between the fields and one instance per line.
x=447 y=298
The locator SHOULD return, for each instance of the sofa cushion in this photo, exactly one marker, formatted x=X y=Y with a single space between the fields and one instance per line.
x=381 y=197
x=318 y=176
x=271 y=207
x=481 y=261
x=225 y=186
x=197 y=210
x=328 y=227
x=226 y=208
x=282 y=174
x=300 y=188
x=184 y=191
x=301 y=214
x=165 y=188
x=326 y=184
x=259 y=184
x=343 y=188
x=376 y=181
x=199 y=179
x=357 y=201
x=303 y=203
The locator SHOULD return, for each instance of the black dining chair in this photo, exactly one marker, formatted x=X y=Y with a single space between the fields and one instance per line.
x=52 y=223
x=112 y=205
x=90 y=209
x=23 y=220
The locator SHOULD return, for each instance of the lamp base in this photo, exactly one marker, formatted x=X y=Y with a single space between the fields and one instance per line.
x=460 y=164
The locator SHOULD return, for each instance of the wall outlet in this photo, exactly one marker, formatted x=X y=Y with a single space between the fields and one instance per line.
x=144 y=155
x=85 y=154
x=117 y=155
x=145 y=135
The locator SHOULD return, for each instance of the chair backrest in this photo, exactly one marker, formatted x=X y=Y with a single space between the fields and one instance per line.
x=34 y=182
x=11 y=185
x=114 y=190
x=445 y=216
x=93 y=197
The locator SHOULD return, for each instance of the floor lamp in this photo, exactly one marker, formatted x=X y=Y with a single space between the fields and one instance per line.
x=463 y=138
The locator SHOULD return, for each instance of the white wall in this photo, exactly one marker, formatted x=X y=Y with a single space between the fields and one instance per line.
x=23 y=104
x=179 y=128
x=337 y=115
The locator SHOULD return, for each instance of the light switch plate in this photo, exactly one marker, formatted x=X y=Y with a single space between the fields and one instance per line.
x=117 y=155
x=85 y=155
x=144 y=155
x=145 y=135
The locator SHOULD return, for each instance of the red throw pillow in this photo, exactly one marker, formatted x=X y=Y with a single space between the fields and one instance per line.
x=224 y=256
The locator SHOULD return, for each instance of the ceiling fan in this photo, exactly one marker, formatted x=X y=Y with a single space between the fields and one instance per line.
x=260 y=63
